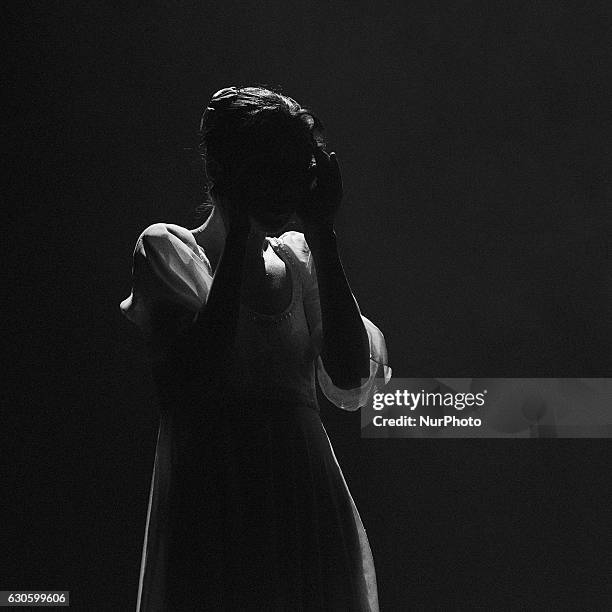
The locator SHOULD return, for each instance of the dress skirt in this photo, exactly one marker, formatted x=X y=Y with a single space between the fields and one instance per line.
x=249 y=510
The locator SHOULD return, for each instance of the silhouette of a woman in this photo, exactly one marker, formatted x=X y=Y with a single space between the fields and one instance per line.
x=248 y=507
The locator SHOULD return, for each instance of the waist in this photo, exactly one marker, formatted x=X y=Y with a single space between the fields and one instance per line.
x=233 y=427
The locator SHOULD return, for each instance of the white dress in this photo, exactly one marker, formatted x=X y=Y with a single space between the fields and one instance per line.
x=248 y=507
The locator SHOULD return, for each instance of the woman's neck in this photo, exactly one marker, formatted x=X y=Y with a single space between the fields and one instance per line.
x=212 y=233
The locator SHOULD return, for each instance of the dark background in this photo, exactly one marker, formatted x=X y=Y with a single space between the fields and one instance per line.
x=475 y=147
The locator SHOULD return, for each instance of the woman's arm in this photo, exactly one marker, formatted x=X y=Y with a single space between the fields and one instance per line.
x=214 y=329
x=204 y=349
x=345 y=345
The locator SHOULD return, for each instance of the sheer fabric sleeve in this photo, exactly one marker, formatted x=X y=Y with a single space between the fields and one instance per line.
x=171 y=279
x=380 y=371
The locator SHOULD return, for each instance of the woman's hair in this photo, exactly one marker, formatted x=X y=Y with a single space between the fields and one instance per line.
x=260 y=141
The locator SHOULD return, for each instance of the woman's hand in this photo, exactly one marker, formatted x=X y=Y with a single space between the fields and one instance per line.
x=319 y=209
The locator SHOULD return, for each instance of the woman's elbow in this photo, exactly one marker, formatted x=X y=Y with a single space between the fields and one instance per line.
x=348 y=378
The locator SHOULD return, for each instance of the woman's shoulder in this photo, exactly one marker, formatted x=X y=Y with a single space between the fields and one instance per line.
x=171 y=242
x=297 y=243
x=159 y=233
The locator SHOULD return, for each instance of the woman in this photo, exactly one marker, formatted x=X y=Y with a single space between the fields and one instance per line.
x=248 y=508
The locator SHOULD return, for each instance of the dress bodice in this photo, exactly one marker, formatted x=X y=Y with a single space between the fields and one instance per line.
x=277 y=354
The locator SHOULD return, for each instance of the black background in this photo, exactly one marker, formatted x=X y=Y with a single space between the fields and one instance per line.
x=474 y=141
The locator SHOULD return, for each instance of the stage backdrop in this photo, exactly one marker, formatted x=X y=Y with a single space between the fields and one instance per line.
x=474 y=143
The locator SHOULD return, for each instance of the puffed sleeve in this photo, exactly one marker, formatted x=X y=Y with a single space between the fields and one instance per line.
x=171 y=279
x=380 y=371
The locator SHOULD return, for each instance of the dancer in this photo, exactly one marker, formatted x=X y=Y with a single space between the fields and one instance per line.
x=248 y=507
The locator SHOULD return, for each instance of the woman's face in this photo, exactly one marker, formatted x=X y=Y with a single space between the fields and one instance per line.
x=271 y=203
x=271 y=223
x=271 y=216
x=275 y=212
